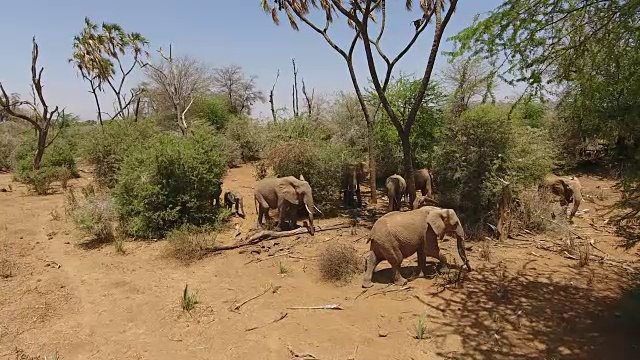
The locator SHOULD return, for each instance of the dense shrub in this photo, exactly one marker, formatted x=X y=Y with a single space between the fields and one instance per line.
x=12 y=134
x=105 y=148
x=214 y=110
x=339 y=262
x=40 y=180
x=321 y=163
x=168 y=182
x=247 y=136
x=478 y=149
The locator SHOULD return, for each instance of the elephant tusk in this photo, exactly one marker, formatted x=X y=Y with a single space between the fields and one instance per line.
x=314 y=205
x=306 y=207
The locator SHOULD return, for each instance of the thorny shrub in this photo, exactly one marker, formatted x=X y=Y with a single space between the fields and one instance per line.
x=480 y=148
x=320 y=163
x=93 y=213
x=189 y=243
x=534 y=210
x=339 y=262
x=247 y=136
x=168 y=182
x=106 y=148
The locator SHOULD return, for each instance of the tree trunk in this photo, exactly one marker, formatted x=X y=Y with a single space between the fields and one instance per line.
x=42 y=144
x=408 y=167
x=371 y=147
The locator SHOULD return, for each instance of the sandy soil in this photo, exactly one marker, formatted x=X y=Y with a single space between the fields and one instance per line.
x=525 y=303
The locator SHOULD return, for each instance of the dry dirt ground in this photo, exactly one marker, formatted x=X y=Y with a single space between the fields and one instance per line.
x=86 y=302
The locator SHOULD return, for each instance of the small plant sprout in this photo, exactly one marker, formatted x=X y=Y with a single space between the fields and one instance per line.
x=420 y=328
x=189 y=300
x=118 y=244
x=283 y=270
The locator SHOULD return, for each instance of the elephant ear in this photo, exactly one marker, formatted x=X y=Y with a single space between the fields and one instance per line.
x=436 y=220
x=288 y=192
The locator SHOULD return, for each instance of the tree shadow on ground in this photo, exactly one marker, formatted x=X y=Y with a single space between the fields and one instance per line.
x=528 y=315
x=630 y=234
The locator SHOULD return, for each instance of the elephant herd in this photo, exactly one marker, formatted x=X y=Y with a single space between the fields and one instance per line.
x=397 y=234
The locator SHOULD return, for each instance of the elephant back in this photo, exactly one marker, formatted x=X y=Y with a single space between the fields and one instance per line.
x=403 y=226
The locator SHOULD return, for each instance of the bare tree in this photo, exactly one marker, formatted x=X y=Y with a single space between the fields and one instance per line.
x=241 y=91
x=179 y=81
x=38 y=115
x=98 y=54
x=271 y=101
x=469 y=78
x=359 y=15
x=308 y=99
x=294 y=91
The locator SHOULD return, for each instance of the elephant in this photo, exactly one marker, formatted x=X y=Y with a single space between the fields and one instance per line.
x=352 y=176
x=422 y=201
x=398 y=235
x=285 y=194
x=422 y=179
x=232 y=198
x=568 y=188
x=217 y=191
x=396 y=189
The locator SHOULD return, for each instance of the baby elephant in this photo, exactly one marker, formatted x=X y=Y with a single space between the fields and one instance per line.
x=232 y=198
x=396 y=188
x=398 y=235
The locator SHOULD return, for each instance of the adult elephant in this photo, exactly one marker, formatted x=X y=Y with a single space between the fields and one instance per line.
x=398 y=235
x=285 y=194
x=352 y=176
x=423 y=181
x=396 y=189
x=568 y=188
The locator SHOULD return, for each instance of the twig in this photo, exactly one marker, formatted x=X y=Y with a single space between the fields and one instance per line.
x=301 y=356
x=282 y=316
x=353 y=357
x=567 y=255
x=385 y=291
x=323 y=307
x=237 y=307
x=267 y=258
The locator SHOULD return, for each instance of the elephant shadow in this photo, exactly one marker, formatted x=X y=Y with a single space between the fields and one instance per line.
x=410 y=272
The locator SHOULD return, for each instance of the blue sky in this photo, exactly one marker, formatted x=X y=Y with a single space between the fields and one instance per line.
x=217 y=32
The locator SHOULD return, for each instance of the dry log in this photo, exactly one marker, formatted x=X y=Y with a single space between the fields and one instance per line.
x=269 y=235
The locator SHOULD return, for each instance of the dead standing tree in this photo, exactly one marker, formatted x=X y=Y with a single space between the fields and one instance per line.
x=308 y=99
x=241 y=91
x=39 y=116
x=271 y=101
x=179 y=81
x=358 y=15
x=294 y=90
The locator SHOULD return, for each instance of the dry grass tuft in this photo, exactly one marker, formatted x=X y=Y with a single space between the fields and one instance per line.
x=188 y=244
x=339 y=262
x=486 y=253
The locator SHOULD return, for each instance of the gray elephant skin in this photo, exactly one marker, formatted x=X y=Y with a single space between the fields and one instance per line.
x=231 y=199
x=396 y=189
x=398 y=235
x=422 y=179
x=285 y=194
x=568 y=188
x=352 y=176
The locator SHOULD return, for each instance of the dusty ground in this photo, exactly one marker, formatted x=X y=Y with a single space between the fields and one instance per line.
x=525 y=303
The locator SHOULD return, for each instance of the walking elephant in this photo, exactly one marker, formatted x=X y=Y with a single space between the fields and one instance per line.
x=352 y=176
x=398 y=235
x=232 y=198
x=422 y=179
x=285 y=194
x=396 y=189
x=568 y=188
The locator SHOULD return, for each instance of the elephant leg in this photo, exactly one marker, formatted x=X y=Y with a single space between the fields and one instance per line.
x=261 y=215
x=422 y=262
x=396 y=262
x=370 y=261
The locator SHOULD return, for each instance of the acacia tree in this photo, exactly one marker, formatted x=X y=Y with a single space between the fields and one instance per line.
x=38 y=114
x=359 y=15
x=241 y=91
x=99 y=53
x=179 y=80
x=469 y=78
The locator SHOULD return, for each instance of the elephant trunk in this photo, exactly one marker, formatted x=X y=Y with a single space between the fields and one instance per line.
x=460 y=245
x=577 y=199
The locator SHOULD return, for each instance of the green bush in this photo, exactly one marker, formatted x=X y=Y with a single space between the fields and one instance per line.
x=12 y=134
x=168 y=182
x=40 y=180
x=213 y=110
x=480 y=148
x=247 y=136
x=320 y=163
x=105 y=148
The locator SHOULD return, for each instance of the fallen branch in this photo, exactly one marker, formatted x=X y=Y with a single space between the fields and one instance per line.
x=269 y=235
x=238 y=306
x=282 y=316
x=301 y=356
x=323 y=307
x=386 y=291
x=267 y=258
